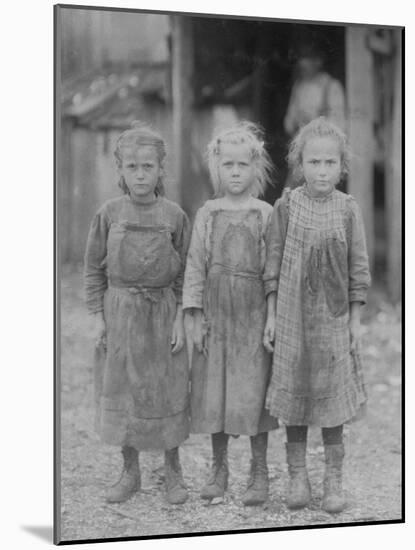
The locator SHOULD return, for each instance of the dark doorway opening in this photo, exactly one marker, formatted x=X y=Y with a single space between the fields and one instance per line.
x=252 y=63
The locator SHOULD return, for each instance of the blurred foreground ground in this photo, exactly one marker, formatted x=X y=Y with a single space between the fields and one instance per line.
x=373 y=449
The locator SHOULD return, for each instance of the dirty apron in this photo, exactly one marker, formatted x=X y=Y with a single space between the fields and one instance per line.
x=143 y=392
x=229 y=386
x=315 y=380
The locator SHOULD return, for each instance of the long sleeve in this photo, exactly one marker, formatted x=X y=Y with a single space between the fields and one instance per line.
x=195 y=273
x=359 y=276
x=275 y=240
x=95 y=277
x=181 y=243
x=290 y=119
x=336 y=108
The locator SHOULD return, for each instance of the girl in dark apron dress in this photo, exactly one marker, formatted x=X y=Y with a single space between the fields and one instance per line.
x=134 y=264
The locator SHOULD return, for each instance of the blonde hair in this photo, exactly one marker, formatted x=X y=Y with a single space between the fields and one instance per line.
x=141 y=135
x=249 y=134
x=318 y=128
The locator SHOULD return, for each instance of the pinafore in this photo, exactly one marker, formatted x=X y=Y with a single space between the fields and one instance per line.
x=143 y=392
x=228 y=386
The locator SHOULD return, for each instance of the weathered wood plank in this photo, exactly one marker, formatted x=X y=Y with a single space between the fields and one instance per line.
x=183 y=99
x=360 y=99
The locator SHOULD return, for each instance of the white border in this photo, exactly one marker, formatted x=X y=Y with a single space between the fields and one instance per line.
x=27 y=255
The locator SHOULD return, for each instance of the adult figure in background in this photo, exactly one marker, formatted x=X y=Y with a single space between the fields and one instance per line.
x=314 y=93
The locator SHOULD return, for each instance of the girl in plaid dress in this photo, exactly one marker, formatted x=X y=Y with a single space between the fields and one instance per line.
x=223 y=288
x=316 y=279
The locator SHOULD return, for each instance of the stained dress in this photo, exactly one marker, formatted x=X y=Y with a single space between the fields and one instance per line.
x=134 y=265
x=317 y=262
x=224 y=278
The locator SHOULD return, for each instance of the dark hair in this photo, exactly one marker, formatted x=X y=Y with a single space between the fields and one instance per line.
x=141 y=135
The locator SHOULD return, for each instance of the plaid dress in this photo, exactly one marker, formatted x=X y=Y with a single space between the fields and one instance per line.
x=317 y=263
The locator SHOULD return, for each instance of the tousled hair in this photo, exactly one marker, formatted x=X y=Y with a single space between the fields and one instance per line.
x=141 y=135
x=249 y=134
x=319 y=127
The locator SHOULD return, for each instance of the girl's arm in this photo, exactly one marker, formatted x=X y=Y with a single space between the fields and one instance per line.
x=336 y=104
x=354 y=325
x=290 y=119
x=194 y=283
x=198 y=330
x=195 y=272
x=274 y=241
x=181 y=239
x=177 y=337
x=99 y=329
x=359 y=275
x=95 y=277
x=269 y=331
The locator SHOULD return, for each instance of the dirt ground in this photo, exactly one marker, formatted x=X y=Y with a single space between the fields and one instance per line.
x=373 y=446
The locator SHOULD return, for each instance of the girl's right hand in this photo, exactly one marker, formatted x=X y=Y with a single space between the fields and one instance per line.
x=199 y=332
x=269 y=334
x=100 y=330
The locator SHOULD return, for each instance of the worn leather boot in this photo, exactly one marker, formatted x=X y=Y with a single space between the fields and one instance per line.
x=130 y=480
x=176 y=490
x=333 y=498
x=257 y=489
x=217 y=483
x=299 y=490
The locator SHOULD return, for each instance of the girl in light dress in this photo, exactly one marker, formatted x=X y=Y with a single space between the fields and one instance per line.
x=224 y=292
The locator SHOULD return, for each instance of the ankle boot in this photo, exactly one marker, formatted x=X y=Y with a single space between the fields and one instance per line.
x=176 y=490
x=333 y=498
x=217 y=483
x=257 y=489
x=130 y=480
x=299 y=490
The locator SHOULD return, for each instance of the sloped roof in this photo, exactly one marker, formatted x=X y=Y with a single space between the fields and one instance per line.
x=113 y=97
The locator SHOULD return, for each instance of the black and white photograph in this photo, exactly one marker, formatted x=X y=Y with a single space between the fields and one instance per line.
x=228 y=256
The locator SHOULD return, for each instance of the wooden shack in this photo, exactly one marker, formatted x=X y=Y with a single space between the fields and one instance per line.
x=185 y=74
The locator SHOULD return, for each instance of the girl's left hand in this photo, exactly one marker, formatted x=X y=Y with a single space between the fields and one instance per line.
x=269 y=334
x=354 y=330
x=177 y=337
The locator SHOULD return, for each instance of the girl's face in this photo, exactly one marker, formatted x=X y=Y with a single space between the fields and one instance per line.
x=236 y=170
x=321 y=165
x=141 y=171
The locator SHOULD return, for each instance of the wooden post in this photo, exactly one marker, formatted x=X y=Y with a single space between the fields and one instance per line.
x=360 y=94
x=393 y=184
x=183 y=98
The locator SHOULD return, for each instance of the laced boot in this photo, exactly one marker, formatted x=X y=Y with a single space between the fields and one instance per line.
x=217 y=483
x=257 y=489
x=333 y=498
x=299 y=490
x=176 y=490
x=130 y=480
